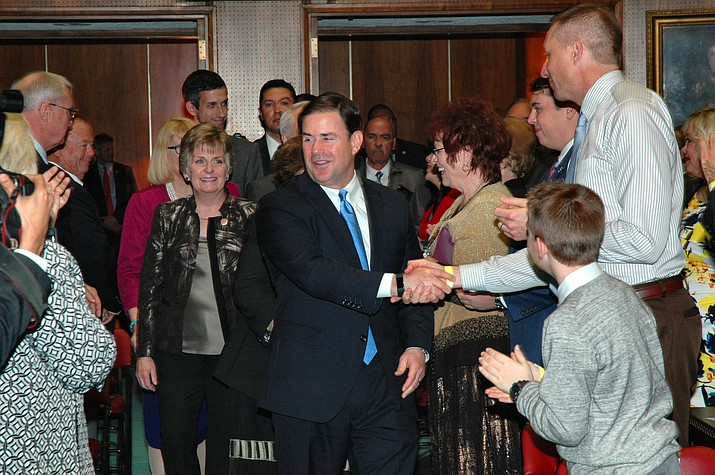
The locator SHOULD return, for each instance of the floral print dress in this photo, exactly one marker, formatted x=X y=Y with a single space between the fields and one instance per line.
x=700 y=278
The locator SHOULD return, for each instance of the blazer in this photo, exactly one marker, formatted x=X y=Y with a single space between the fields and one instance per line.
x=410 y=153
x=410 y=182
x=169 y=265
x=266 y=161
x=80 y=231
x=246 y=162
x=325 y=301
x=124 y=184
x=257 y=189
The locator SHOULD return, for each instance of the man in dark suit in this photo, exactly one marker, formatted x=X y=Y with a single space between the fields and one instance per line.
x=344 y=359
x=275 y=98
x=554 y=123
x=377 y=166
x=206 y=99
x=409 y=153
x=79 y=228
x=119 y=179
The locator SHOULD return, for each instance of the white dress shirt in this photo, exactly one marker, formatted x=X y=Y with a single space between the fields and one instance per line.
x=630 y=158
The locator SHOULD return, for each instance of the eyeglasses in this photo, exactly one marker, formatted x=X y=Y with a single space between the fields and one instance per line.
x=175 y=148
x=690 y=140
x=73 y=112
x=435 y=150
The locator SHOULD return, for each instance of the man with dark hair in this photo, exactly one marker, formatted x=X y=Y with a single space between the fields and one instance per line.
x=625 y=150
x=275 y=98
x=378 y=166
x=603 y=398
x=111 y=184
x=344 y=360
x=409 y=153
x=206 y=99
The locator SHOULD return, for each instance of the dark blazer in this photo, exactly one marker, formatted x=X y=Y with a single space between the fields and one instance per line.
x=124 y=183
x=326 y=301
x=246 y=162
x=266 y=161
x=407 y=180
x=257 y=189
x=80 y=231
x=410 y=153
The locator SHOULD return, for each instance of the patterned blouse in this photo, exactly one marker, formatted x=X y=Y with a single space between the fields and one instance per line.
x=700 y=265
x=42 y=424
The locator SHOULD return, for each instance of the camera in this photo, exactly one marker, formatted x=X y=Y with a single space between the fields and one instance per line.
x=11 y=100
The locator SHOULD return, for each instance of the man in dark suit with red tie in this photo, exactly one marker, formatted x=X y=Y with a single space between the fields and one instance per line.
x=344 y=359
x=111 y=184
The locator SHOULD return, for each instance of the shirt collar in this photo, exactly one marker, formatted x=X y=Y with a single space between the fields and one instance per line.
x=578 y=278
x=354 y=192
x=272 y=145
x=70 y=174
x=599 y=91
x=40 y=149
x=371 y=172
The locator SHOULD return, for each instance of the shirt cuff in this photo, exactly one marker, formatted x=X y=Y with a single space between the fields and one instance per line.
x=472 y=276
x=421 y=349
x=385 y=289
x=40 y=261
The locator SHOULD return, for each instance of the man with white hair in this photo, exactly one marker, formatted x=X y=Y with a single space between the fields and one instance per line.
x=48 y=110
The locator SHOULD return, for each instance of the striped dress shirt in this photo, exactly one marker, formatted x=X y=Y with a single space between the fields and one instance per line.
x=630 y=158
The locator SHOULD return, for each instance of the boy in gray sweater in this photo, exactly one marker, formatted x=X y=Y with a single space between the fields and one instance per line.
x=603 y=399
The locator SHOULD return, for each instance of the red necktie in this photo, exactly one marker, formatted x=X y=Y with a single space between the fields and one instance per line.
x=108 y=193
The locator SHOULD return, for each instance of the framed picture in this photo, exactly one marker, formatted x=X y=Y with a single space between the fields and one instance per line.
x=681 y=59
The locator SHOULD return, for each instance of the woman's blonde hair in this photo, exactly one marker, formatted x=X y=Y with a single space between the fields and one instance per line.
x=159 y=165
x=17 y=153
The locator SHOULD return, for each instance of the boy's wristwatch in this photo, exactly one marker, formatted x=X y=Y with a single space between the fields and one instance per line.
x=516 y=389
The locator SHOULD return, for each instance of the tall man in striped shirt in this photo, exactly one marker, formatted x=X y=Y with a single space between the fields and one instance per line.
x=629 y=156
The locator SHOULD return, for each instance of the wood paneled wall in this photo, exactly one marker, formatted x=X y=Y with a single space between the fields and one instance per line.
x=414 y=76
x=114 y=86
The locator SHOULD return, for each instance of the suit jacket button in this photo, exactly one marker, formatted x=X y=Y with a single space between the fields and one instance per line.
x=363 y=338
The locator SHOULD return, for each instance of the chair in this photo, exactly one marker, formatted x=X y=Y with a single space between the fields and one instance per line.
x=111 y=408
x=119 y=404
x=697 y=460
x=540 y=456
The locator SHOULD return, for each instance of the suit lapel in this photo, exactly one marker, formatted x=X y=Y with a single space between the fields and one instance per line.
x=330 y=216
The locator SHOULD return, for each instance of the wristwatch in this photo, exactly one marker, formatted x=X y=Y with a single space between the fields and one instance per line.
x=516 y=390
x=400 y=284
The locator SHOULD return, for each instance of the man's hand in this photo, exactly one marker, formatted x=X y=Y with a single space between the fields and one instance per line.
x=34 y=211
x=707 y=157
x=146 y=373
x=472 y=301
x=110 y=223
x=93 y=300
x=425 y=284
x=108 y=316
x=512 y=217
x=503 y=370
x=412 y=361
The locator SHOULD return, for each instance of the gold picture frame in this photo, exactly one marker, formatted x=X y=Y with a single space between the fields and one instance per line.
x=681 y=59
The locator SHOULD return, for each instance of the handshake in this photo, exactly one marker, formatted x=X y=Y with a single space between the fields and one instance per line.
x=425 y=280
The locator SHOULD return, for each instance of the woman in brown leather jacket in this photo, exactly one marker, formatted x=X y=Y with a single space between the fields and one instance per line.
x=203 y=285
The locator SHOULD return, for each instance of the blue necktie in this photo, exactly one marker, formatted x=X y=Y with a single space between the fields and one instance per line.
x=379 y=176
x=348 y=214
x=577 y=141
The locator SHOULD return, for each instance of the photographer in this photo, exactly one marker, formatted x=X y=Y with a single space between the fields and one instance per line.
x=24 y=285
